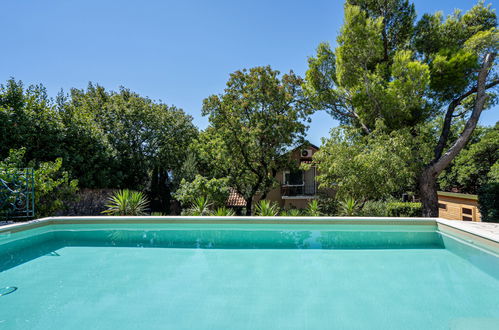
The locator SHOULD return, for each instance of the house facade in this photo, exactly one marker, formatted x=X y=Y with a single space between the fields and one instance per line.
x=297 y=187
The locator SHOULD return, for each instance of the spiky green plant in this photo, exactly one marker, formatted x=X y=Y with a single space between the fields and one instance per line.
x=291 y=213
x=266 y=208
x=348 y=207
x=223 y=212
x=312 y=209
x=200 y=207
x=127 y=202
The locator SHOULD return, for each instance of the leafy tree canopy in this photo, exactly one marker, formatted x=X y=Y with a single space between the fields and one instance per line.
x=253 y=123
x=390 y=75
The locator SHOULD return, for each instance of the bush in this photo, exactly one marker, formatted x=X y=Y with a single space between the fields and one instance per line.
x=401 y=209
x=266 y=208
x=328 y=206
x=291 y=213
x=488 y=202
x=53 y=186
x=127 y=202
x=313 y=209
x=201 y=206
x=348 y=207
x=374 y=209
x=391 y=209
x=214 y=190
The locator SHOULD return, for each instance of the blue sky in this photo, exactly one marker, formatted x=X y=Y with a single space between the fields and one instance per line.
x=176 y=51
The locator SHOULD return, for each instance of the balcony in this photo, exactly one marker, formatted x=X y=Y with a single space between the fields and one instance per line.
x=307 y=189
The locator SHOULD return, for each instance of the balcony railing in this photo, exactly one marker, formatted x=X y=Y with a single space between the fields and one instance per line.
x=307 y=189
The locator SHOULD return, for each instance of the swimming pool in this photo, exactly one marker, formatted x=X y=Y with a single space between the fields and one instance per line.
x=256 y=274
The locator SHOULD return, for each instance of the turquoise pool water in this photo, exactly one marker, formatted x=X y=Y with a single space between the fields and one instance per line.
x=245 y=277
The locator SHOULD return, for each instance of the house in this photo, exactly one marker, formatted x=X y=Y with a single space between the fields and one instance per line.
x=455 y=206
x=295 y=187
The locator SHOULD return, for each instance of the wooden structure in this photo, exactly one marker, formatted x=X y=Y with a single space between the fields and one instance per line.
x=454 y=206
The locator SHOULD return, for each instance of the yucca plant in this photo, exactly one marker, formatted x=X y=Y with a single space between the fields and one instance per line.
x=348 y=207
x=266 y=208
x=223 y=212
x=291 y=213
x=312 y=209
x=127 y=202
x=200 y=207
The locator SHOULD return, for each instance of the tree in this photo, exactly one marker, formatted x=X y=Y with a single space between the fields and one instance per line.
x=123 y=140
x=29 y=119
x=469 y=170
x=106 y=139
x=214 y=190
x=53 y=186
x=438 y=70
x=253 y=123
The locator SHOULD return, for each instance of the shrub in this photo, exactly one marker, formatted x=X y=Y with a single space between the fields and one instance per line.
x=401 y=209
x=348 y=207
x=200 y=207
x=127 y=202
x=374 y=209
x=223 y=212
x=327 y=205
x=313 y=209
x=53 y=186
x=488 y=202
x=291 y=213
x=215 y=190
x=266 y=208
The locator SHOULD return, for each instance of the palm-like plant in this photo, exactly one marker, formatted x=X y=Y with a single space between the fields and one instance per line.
x=200 y=207
x=313 y=209
x=127 y=202
x=266 y=208
x=291 y=213
x=348 y=207
x=223 y=212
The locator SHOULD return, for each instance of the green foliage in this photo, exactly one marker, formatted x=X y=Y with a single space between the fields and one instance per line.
x=291 y=213
x=53 y=186
x=493 y=174
x=400 y=209
x=488 y=201
x=107 y=139
x=328 y=206
x=223 y=212
x=215 y=190
x=374 y=209
x=265 y=208
x=127 y=202
x=201 y=206
x=368 y=167
x=470 y=169
x=389 y=83
x=348 y=207
x=390 y=209
x=313 y=209
x=253 y=123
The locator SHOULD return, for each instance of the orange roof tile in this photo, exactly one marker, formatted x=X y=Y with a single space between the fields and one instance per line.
x=235 y=199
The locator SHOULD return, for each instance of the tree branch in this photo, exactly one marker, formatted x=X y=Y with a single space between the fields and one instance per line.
x=440 y=163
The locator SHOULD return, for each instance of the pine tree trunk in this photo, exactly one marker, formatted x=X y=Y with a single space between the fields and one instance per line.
x=428 y=193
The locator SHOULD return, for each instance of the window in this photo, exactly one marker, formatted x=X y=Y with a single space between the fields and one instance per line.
x=467 y=211
x=293 y=178
x=442 y=206
x=465 y=218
